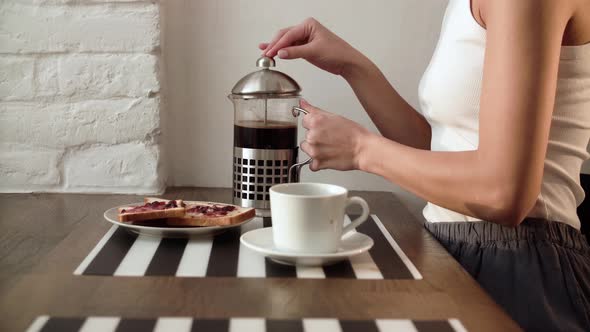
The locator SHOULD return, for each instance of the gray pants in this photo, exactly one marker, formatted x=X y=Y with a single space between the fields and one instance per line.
x=539 y=271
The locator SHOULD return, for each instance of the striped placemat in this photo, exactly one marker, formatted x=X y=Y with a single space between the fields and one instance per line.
x=122 y=253
x=186 y=324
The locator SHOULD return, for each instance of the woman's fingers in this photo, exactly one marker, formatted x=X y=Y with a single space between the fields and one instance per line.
x=315 y=166
x=309 y=138
x=263 y=46
x=295 y=52
x=311 y=151
x=306 y=147
x=295 y=34
x=307 y=106
x=275 y=39
x=309 y=119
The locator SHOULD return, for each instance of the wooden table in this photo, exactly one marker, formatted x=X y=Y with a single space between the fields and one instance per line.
x=43 y=237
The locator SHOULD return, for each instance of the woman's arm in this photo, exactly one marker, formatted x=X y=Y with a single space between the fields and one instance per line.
x=392 y=115
x=500 y=181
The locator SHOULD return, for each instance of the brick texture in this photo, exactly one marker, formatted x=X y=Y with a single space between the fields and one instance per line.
x=80 y=96
x=35 y=166
x=132 y=167
x=16 y=78
x=76 y=27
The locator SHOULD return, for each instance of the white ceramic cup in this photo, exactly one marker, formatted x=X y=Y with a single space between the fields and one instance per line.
x=309 y=217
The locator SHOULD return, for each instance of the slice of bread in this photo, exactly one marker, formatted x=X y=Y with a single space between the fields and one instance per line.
x=153 y=208
x=212 y=214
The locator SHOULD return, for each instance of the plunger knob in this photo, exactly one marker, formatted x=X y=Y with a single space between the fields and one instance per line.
x=265 y=62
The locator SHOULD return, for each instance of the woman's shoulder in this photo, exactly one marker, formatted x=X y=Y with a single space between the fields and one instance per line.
x=575 y=14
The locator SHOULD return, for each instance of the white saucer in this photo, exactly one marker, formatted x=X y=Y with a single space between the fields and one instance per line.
x=111 y=215
x=260 y=240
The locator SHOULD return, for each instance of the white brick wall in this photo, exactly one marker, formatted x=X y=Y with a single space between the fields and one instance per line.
x=80 y=96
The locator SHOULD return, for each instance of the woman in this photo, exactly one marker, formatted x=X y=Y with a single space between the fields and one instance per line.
x=500 y=136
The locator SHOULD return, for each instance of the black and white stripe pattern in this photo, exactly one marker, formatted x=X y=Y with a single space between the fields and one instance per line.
x=189 y=324
x=121 y=253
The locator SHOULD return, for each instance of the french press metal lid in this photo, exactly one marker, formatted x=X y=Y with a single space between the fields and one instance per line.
x=266 y=83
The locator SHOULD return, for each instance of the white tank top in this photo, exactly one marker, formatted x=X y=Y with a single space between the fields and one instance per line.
x=449 y=95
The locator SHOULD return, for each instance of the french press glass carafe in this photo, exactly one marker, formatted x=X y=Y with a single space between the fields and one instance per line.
x=265 y=134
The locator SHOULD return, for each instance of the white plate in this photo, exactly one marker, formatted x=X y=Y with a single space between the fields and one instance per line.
x=111 y=215
x=260 y=240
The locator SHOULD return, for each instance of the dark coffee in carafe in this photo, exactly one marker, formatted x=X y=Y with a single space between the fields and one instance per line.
x=271 y=135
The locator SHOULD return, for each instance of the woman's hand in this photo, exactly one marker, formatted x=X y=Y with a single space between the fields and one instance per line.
x=315 y=43
x=331 y=140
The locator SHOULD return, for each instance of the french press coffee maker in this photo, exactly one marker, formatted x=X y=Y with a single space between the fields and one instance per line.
x=265 y=135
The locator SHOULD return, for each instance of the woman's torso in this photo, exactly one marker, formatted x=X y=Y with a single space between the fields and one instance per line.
x=449 y=100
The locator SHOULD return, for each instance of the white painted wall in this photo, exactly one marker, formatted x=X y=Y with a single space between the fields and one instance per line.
x=79 y=96
x=210 y=45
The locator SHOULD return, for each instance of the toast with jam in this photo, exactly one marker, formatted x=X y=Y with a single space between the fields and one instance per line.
x=185 y=213
x=153 y=209
x=212 y=214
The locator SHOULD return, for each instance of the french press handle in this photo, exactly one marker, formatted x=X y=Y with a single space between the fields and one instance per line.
x=294 y=177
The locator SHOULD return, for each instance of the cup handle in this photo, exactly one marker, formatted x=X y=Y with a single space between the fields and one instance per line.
x=355 y=223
